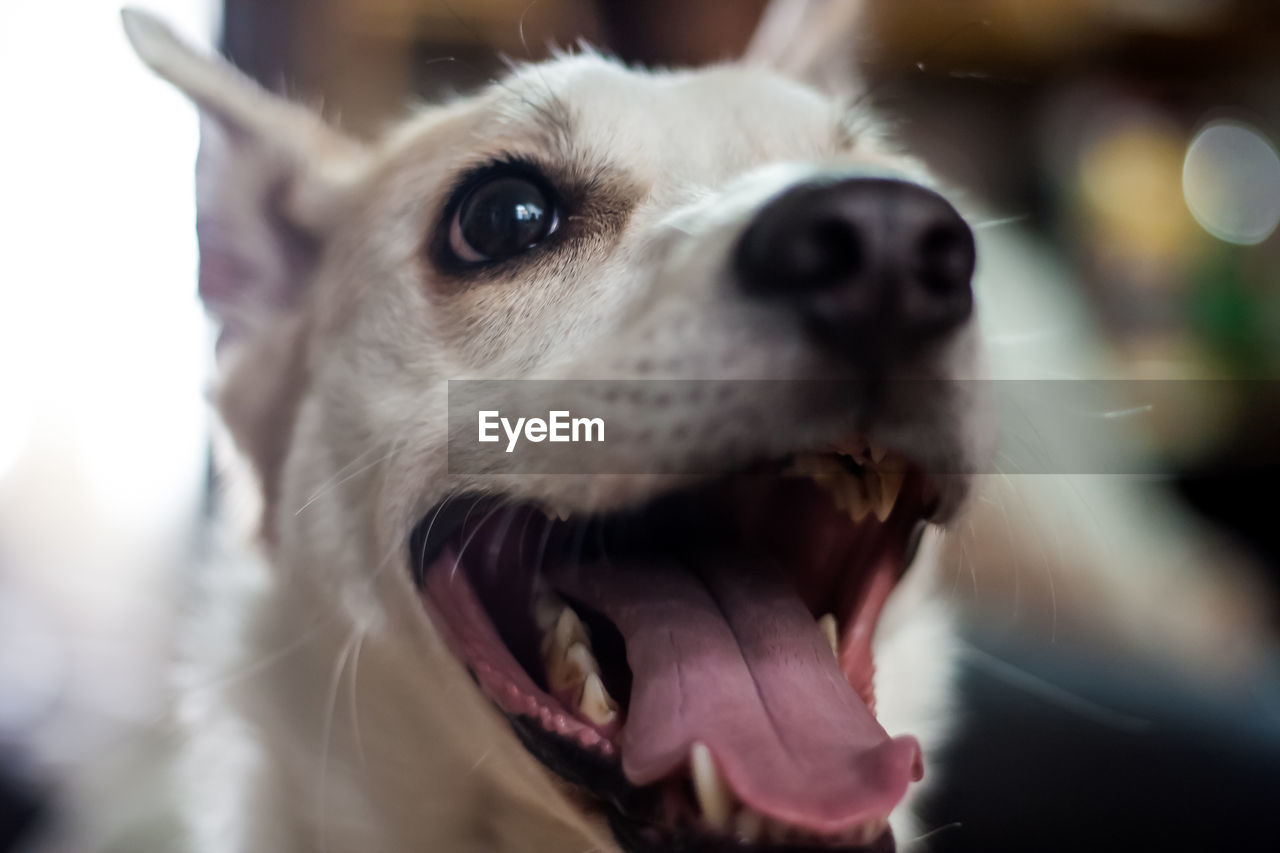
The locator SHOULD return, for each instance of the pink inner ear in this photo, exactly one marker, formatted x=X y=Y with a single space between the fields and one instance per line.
x=254 y=262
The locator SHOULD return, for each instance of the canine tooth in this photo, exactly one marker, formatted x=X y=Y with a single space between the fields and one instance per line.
x=827 y=625
x=596 y=704
x=857 y=499
x=713 y=796
x=880 y=498
x=748 y=826
x=890 y=487
x=555 y=513
x=878 y=451
x=547 y=607
x=568 y=672
x=581 y=660
x=566 y=633
x=568 y=630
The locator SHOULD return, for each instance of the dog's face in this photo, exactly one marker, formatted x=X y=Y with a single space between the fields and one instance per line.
x=771 y=305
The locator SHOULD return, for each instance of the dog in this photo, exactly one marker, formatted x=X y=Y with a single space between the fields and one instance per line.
x=774 y=311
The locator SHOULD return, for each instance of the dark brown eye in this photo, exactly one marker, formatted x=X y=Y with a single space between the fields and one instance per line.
x=500 y=217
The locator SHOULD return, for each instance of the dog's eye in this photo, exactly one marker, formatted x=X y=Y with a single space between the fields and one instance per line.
x=500 y=217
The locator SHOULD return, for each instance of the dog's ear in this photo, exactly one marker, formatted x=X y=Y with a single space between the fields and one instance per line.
x=815 y=41
x=269 y=177
x=270 y=180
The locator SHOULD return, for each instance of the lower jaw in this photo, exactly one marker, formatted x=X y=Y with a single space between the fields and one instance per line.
x=670 y=812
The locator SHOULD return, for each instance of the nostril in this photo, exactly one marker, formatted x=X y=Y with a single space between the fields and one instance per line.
x=946 y=259
x=825 y=253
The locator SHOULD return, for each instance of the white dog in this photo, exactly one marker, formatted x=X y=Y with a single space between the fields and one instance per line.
x=720 y=636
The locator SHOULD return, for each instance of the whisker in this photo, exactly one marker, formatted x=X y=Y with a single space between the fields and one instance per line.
x=1123 y=413
x=936 y=831
x=520 y=28
x=1053 y=693
x=354 y=709
x=479 y=761
x=543 y=542
x=1044 y=559
x=422 y=557
x=1000 y=223
x=258 y=665
x=326 y=736
x=498 y=542
x=457 y=563
x=334 y=481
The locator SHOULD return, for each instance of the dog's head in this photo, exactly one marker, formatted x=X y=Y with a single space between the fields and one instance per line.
x=771 y=304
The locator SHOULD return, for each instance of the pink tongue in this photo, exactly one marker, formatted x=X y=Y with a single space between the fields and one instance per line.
x=730 y=656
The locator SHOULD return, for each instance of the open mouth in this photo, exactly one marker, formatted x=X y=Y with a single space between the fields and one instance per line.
x=700 y=665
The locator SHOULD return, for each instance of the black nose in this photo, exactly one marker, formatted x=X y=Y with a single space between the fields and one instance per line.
x=874 y=266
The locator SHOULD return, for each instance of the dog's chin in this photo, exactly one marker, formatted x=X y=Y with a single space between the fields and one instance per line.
x=700 y=666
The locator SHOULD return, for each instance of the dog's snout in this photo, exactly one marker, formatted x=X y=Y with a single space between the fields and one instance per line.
x=874 y=266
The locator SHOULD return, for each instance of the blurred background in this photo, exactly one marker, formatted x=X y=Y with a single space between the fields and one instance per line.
x=1132 y=143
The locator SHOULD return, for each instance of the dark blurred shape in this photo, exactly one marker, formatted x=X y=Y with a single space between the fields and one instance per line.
x=22 y=803
x=1099 y=756
x=677 y=32
x=258 y=38
x=875 y=267
x=1235 y=497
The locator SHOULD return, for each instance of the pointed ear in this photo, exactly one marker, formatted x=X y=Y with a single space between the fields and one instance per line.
x=269 y=176
x=815 y=41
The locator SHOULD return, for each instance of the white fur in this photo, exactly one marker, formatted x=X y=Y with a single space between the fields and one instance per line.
x=322 y=712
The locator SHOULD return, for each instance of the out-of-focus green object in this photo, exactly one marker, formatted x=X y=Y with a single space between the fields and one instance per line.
x=1232 y=313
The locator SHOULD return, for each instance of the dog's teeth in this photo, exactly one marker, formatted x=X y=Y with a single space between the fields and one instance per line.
x=713 y=796
x=890 y=487
x=561 y=629
x=748 y=826
x=596 y=704
x=857 y=499
x=878 y=451
x=568 y=630
x=858 y=494
x=581 y=662
x=566 y=651
x=567 y=674
x=871 y=487
x=827 y=625
x=547 y=607
x=556 y=513
x=864 y=833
